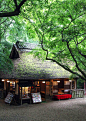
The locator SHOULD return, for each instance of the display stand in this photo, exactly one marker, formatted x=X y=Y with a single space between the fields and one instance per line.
x=36 y=97
x=9 y=98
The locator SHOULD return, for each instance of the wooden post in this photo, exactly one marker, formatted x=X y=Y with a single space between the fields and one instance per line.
x=71 y=84
x=21 y=95
x=83 y=94
x=4 y=88
x=51 y=88
x=16 y=87
x=76 y=84
x=4 y=84
x=45 y=90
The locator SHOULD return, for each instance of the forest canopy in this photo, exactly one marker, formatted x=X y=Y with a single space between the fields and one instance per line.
x=58 y=25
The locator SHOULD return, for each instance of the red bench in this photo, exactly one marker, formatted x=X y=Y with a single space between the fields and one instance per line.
x=63 y=96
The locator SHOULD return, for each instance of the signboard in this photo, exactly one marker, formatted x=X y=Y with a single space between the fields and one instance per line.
x=36 y=97
x=9 y=98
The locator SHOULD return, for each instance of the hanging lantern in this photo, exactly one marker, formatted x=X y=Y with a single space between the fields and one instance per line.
x=38 y=84
x=58 y=81
x=70 y=80
x=2 y=80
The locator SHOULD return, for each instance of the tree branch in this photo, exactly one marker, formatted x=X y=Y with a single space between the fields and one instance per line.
x=9 y=14
x=65 y=67
x=15 y=12
x=22 y=2
x=82 y=54
x=81 y=41
x=15 y=1
x=81 y=61
x=58 y=53
x=75 y=60
x=78 y=49
x=39 y=18
x=3 y=21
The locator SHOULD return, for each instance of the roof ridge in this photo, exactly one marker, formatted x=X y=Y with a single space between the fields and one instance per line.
x=26 y=45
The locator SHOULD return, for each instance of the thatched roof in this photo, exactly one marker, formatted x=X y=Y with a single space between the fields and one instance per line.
x=28 y=67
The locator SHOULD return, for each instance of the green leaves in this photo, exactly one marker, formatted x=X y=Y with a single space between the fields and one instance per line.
x=59 y=26
x=5 y=61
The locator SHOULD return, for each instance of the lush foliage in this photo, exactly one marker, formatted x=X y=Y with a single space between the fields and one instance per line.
x=80 y=84
x=5 y=62
x=60 y=27
x=12 y=30
x=10 y=8
x=8 y=27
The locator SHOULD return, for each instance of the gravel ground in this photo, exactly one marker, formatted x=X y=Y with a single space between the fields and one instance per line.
x=64 y=110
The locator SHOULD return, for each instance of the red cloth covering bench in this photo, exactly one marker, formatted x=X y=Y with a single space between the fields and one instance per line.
x=63 y=96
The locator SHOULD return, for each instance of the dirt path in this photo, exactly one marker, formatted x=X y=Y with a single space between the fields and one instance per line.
x=64 y=110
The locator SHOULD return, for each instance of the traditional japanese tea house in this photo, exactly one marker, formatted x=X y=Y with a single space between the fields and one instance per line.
x=33 y=75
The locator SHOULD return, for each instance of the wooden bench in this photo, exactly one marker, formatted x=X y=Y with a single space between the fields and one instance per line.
x=63 y=96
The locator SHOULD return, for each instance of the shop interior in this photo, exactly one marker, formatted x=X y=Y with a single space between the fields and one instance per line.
x=45 y=87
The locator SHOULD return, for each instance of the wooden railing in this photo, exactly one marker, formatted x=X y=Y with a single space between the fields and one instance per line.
x=77 y=93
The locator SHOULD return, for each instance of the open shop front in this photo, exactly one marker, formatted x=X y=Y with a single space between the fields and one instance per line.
x=33 y=91
x=25 y=90
x=43 y=86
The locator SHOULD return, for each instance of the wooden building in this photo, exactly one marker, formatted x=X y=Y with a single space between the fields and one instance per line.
x=33 y=75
